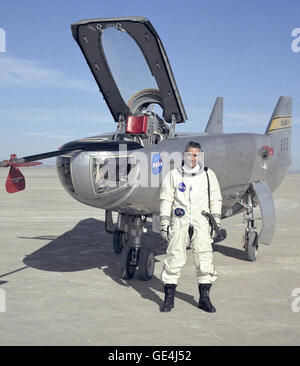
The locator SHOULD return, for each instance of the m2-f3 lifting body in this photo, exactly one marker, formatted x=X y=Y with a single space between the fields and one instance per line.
x=123 y=171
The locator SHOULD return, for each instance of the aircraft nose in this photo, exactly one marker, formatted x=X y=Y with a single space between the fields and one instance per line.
x=63 y=164
x=112 y=173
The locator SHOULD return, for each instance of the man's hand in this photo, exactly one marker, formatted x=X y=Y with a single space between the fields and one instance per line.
x=215 y=234
x=164 y=227
x=222 y=232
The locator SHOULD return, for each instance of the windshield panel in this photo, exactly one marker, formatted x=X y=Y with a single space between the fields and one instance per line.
x=111 y=173
x=126 y=62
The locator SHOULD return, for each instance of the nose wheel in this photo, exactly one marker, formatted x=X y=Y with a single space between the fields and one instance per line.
x=133 y=258
x=146 y=264
x=133 y=254
x=120 y=240
x=129 y=262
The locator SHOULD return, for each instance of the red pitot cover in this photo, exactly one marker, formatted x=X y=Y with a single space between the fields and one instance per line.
x=15 y=181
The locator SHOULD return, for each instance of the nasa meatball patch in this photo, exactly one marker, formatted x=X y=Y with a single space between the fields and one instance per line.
x=181 y=187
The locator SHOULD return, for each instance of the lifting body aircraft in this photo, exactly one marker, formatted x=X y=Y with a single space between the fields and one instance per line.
x=106 y=171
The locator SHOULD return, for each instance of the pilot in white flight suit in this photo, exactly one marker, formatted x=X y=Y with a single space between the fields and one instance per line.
x=185 y=193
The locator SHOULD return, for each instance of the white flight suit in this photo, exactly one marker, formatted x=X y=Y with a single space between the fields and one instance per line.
x=189 y=192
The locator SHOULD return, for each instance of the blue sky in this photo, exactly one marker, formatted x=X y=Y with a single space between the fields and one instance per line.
x=240 y=50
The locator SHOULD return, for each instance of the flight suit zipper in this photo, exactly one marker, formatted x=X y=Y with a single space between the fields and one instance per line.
x=191 y=228
x=190 y=197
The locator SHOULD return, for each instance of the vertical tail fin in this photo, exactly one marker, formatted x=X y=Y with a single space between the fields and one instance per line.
x=215 y=122
x=279 y=129
x=282 y=115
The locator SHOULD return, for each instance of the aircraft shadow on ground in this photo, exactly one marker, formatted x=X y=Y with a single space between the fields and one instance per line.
x=89 y=246
x=86 y=246
x=230 y=252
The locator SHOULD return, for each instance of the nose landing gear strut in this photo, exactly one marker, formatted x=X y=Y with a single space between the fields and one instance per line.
x=133 y=254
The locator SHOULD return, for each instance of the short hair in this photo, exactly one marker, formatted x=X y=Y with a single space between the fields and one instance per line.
x=192 y=144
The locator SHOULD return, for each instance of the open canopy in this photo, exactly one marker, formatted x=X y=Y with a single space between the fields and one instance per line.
x=125 y=55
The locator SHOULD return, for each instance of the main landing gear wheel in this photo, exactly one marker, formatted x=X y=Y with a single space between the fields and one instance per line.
x=120 y=239
x=251 y=246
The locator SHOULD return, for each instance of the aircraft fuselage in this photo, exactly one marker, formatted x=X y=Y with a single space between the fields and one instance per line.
x=237 y=160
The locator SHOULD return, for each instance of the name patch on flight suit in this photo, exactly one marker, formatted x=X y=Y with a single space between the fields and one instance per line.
x=179 y=212
x=181 y=187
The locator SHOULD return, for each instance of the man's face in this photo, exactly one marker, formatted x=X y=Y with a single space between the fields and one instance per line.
x=191 y=157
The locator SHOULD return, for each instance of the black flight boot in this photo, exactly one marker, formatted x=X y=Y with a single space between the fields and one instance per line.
x=169 y=298
x=204 y=301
